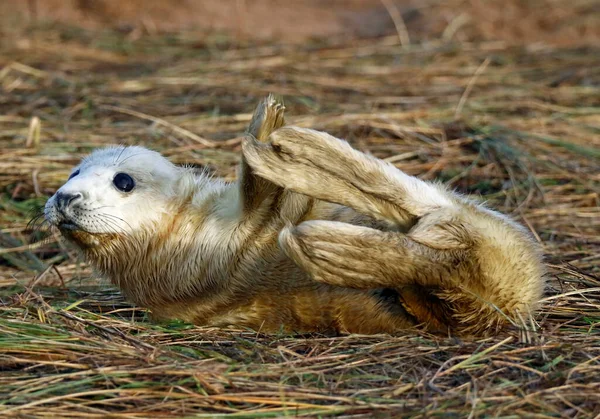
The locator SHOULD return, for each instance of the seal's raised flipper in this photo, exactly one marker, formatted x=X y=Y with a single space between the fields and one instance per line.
x=267 y=118
x=319 y=165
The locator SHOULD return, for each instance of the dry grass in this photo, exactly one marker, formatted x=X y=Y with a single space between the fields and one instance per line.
x=524 y=133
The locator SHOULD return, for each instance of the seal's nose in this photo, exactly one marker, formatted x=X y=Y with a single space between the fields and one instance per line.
x=63 y=200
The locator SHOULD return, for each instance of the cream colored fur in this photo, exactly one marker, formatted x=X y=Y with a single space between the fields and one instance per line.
x=314 y=236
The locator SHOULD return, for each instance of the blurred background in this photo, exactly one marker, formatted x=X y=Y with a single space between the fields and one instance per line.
x=554 y=22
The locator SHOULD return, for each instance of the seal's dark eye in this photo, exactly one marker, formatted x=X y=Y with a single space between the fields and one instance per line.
x=75 y=173
x=123 y=182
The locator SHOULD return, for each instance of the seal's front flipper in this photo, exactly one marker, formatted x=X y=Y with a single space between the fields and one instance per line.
x=267 y=118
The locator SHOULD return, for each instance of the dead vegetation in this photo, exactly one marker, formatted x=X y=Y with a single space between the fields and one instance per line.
x=517 y=124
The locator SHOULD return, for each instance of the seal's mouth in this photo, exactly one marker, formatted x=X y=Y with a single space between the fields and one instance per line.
x=77 y=234
x=68 y=226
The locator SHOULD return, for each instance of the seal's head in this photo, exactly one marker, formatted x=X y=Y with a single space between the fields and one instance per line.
x=110 y=193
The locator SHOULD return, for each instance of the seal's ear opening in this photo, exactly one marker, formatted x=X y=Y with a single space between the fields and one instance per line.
x=198 y=169
x=185 y=184
x=191 y=175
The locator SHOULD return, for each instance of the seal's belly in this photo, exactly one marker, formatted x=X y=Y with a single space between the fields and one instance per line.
x=270 y=293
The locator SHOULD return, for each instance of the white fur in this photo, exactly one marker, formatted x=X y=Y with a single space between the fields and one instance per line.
x=105 y=209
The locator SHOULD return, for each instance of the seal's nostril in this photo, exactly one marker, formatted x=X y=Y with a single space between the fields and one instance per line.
x=63 y=200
